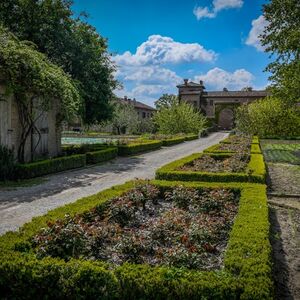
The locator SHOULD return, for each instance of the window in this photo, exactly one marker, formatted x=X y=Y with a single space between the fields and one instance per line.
x=144 y=115
x=211 y=102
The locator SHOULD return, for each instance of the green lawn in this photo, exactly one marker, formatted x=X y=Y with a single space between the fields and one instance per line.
x=282 y=152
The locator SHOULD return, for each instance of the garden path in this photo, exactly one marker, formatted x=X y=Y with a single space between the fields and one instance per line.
x=19 y=205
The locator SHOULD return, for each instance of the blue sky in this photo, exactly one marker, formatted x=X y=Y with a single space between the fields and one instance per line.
x=157 y=43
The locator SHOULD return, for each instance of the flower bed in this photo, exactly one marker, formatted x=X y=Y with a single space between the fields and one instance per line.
x=246 y=273
x=182 y=227
x=215 y=167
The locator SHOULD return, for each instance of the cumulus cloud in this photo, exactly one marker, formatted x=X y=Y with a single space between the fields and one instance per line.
x=218 y=79
x=217 y=6
x=258 y=26
x=163 y=50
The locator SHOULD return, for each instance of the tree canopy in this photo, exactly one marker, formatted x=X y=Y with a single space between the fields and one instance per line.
x=179 y=118
x=166 y=100
x=282 y=40
x=28 y=74
x=69 y=42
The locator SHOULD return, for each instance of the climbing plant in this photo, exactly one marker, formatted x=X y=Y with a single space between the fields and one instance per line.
x=29 y=75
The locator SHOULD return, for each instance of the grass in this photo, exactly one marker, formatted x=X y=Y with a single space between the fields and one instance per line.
x=282 y=152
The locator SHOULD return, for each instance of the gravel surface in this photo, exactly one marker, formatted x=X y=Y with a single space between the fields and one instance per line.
x=19 y=205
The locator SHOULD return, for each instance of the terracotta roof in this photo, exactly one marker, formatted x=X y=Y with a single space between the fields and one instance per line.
x=137 y=104
x=227 y=94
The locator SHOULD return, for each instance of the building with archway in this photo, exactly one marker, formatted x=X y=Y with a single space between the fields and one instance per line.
x=218 y=106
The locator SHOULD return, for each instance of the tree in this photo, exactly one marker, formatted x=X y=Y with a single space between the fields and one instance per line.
x=166 y=100
x=70 y=43
x=29 y=75
x=281 y=38
x=268 y=117
x=125 y=118
x=179 y=118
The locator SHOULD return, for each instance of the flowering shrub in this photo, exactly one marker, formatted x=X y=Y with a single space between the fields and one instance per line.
x=181 y=227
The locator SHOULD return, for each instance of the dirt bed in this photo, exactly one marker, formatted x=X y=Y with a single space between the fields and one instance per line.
x=285 y=240
x=284 y=178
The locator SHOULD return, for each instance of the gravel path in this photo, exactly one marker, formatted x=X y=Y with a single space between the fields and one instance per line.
x=19 y=205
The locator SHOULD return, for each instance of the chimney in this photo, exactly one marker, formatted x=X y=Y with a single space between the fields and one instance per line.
x=225 y=89
x=185 y=81
x=125 y=98
x=201 y=82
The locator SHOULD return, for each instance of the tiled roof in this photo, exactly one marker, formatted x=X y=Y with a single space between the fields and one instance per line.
x=228 y=94
x=137 y=104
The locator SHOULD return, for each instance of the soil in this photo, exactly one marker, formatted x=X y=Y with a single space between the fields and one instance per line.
x=284 y=183
x=285 y=240
x=284 y=178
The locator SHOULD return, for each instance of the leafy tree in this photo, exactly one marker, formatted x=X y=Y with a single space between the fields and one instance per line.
x=166 y=100
x=179 y=118
x=29 y=75
x=268 y=117
x=70 y=43
x=282 y=39
x=125 y=119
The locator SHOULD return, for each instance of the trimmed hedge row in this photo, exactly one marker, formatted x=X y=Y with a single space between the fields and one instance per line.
x=138 y=147
x=246 y=274
x=102 y=155
x=191 y=137
x=173 y=141
x=44 y=167
x=255 y=172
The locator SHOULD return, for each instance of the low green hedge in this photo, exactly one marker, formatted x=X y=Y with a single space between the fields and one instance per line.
x=102 y=155
x=246 y=273
x=255 y=172
x=191 y=137
x=173 y=141
x=82 y=148
x=44 y=167
x=138 y=147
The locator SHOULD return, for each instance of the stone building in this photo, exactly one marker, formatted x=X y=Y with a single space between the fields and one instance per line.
x=218 y=106
x=144 y=111
x=45 y=144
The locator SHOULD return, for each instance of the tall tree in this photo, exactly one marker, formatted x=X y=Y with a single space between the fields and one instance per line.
x=166 y=100
x=69 y=42
x=282 y=39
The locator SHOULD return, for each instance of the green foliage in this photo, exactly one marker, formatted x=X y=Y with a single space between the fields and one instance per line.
x=173 y=141
x=268 y=117
x=191 y=137
x=125 y=118
x=179 y=118
x=35 y=169
x=282 y=39
x=138 y=147
x=166 y=101
x=26 y=71
x=70 y=43
x=7 y=163
x=256 y=171
x=101 y=155
x=247 y=273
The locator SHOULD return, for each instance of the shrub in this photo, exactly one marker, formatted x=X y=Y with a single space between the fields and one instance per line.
x=7 y=163
x=191 y=137
x=269 y=117
x=102 y=155
x=246 y=273
x=138 y=147
x=35 y=169
x=255 y=171
x=173 y=141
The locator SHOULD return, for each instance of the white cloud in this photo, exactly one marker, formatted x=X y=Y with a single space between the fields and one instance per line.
x=258 y=26
x=163 y=50
x=218 y=79
x=218 y=5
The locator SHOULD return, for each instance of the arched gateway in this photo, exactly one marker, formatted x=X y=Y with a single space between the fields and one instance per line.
x=226 y=118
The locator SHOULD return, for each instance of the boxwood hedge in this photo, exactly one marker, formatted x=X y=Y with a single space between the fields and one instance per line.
x=255 y=172
x=136 y=147
x=43 y=167
x=173 y=141
x=191 y=137
x=246 y=273
x=101 y=155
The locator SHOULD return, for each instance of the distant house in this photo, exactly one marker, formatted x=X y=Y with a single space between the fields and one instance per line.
x=44 y=140
x=218 y=106
x=144 y=111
